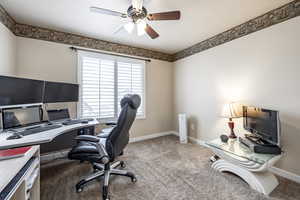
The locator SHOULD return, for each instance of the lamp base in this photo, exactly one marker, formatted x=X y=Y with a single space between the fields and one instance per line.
x=231 y=126
x=232 y=136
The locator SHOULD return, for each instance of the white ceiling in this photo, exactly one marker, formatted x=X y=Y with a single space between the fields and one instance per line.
x=201 y=19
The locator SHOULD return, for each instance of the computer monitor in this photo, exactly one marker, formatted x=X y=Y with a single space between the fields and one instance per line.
x=61 y=114
x=16 y=91
x=263 y=123
x=21 y=116
x=60 y=92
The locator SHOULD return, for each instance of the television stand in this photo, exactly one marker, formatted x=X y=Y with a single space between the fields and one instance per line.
x=252 y=167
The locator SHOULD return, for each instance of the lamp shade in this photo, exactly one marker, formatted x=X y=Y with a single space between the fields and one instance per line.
x=232 y=110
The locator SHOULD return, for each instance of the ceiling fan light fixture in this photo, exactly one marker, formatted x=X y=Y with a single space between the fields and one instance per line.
x=141 y=26
x=139 y=16
x=129 y=27
x=137 y=4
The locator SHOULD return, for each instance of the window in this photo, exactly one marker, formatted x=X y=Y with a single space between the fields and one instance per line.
x=104 y=80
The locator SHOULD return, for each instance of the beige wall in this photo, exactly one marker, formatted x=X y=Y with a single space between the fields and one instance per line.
x=56 y=62
x=46 y=60
x=261 y=69
x=7 y=51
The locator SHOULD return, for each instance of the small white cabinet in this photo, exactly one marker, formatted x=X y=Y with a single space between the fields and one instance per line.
x=23 y=176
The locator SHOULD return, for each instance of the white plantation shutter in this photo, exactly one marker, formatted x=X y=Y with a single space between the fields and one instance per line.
x=107 y=89
x=104 y=81
x=90 y=88
x=131 y=81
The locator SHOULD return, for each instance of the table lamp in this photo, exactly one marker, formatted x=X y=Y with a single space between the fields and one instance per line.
x=230 y=111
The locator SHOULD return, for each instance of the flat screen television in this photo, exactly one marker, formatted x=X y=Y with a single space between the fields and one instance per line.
x=16 y=91
x=56 y=92
x=263 y=123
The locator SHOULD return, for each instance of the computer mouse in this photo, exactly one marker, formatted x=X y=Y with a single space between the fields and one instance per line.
x=15 y=136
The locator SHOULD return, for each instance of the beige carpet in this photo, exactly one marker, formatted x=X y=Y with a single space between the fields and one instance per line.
x=166 y=170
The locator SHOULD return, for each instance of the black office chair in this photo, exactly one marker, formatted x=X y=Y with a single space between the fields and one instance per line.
x=102 y=151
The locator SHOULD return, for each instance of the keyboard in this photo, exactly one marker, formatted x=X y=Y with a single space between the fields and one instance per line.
x=72 y=122
x=76 y=121
x=39 y=129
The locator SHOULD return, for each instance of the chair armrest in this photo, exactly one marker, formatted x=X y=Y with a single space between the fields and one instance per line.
x=103 y=134
x=87 y=138
x=102 y=152
x=93 y=140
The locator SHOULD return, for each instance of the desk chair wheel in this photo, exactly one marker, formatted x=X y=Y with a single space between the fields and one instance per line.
x=122 y=164
x=79 y=186
x=134 y=179
x=79 y=190
x=105 y=193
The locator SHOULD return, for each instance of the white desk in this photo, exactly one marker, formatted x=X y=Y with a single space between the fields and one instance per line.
x=251 y=167
x=10 y=168
x=39 y=138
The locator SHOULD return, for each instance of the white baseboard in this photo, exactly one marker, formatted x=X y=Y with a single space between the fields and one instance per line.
x=193 y=140
x=280 y=172
x=196 y=141
x=150 y=136
x=285 y=174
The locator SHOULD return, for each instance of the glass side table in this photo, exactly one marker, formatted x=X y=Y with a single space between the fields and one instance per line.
x=252 y=167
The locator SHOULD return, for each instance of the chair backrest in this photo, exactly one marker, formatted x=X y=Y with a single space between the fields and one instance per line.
x=119 y=136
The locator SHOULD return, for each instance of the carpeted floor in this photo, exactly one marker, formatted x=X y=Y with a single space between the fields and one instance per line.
x=166 y=170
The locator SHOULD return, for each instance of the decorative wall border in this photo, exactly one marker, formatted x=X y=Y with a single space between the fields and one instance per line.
x=7 y=20
x=28 y=31
x=271 y=18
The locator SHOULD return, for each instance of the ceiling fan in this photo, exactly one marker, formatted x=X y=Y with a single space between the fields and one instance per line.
x=138 y=15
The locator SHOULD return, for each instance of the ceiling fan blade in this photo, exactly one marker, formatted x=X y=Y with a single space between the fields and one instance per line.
x=107 y=12
x=137 y=4
x=151 y=32
x=173 y=15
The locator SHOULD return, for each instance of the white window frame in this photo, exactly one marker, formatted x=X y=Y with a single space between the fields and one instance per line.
x=81 y=54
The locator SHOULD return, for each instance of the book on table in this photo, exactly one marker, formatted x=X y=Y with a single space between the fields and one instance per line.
x=13 y=153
